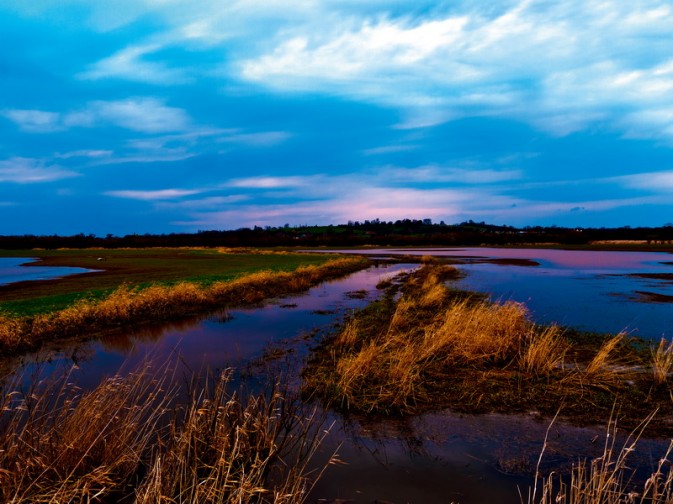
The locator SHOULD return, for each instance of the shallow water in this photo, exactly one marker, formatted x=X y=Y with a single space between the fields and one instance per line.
x=12 y=270
x=232 y=338
x=588 y=290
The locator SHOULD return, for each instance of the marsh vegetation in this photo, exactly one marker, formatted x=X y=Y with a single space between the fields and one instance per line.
x=140 y=438
x=429 y=346
x=420 y=347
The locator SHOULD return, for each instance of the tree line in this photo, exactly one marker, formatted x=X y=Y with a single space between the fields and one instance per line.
x=420 y=232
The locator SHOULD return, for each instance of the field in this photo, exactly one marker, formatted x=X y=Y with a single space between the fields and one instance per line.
x=135 y=267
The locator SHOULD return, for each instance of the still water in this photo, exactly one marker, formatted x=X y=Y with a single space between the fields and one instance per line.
x=589 y=290
x=436 y=458
x=13 y=269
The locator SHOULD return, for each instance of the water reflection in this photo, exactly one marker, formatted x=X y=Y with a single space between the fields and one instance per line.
x=14 y=269
x=601 y=291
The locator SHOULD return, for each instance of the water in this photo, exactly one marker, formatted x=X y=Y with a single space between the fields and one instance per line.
x=233 y=338
x=588 y=290
x=14 y=269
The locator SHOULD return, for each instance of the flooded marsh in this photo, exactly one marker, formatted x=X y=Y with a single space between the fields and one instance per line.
x=440 y=456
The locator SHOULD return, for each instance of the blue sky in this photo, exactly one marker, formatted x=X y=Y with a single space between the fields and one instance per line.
x=168 y=116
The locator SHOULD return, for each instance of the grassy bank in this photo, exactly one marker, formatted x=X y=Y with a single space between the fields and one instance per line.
x=433 y=347
x=129 y=440
x=137 y=268
x=135 y=305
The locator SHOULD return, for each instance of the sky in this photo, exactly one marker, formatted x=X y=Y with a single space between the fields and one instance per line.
x=160 y=116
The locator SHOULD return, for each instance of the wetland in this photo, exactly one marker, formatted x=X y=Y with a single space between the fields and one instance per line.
x=439 y=453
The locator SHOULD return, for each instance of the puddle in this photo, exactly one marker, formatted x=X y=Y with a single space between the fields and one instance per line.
x=12 y=270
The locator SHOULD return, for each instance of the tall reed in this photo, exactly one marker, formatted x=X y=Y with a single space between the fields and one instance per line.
x=609 y=478
x=131 y=439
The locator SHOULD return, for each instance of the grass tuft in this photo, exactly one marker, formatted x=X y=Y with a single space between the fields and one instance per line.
x=545 y=351
x=662 y=361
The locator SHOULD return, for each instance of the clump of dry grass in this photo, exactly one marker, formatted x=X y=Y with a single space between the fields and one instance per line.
x=609 y=478
x=383 y=367
x=662 y=361
x=128 y=440
x=396 y=354
x=161 y=302
x=545 y=351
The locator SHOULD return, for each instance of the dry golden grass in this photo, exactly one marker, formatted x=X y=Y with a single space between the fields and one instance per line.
x=608 y=479
x=662 y=361
x=59 y=445
x=129 y=441
x=384 y=358
x=383 y=367
x=470 y=331
x=545 y=351
x=133 y=305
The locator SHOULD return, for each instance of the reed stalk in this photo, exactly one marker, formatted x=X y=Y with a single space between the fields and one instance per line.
x=131 y=439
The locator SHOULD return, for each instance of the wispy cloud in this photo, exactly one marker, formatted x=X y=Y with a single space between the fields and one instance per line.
x=271 y=182
x=659 y=181
x=129 y=64
x=92 y=154
x=30 y=171
x=152 y=195
x=442 y=175
x=561 y=66
x=260 y=139
x=146 y=115
x=35 y=121
x=141 y=114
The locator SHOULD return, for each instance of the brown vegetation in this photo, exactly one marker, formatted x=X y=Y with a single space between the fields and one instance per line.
x=128 y=440
x=609 y=478
x=135 y=305
x=434 y=347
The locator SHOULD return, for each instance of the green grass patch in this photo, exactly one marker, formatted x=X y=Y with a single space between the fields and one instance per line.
x=136 y=267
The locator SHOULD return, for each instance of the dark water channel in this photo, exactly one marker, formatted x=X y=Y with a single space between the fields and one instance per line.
x=434 y=458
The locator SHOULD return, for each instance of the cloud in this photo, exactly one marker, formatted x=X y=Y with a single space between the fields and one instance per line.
x=34 y=121
x=129 y=64
x=160 y=194
x=271 y=182
x=389 y=149
x=660 y=181
x=260 y=139
x=93 y=154
x=210 y=203
x=442 y=175
x=28 y=171
x=146 y=115
x=562 y=66
x=141 y=114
